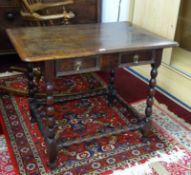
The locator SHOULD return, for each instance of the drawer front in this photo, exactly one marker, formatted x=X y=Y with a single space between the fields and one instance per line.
x=77 y=65
x=134 y=58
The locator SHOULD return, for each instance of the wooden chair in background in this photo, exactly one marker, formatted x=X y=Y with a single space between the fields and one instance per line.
x=41 y=13
x=38 y=12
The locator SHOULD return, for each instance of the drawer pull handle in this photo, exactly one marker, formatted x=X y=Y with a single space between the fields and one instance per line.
x=10 y=16
x=78 y=65
x=136 y=59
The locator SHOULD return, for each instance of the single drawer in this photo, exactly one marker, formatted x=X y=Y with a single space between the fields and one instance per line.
x=133 y=58
x=77 y=65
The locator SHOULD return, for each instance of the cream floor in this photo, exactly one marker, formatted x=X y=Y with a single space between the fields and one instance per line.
x=181 y=60
x=171 y=80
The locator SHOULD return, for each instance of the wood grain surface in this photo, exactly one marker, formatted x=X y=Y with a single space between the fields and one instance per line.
x=61 y=42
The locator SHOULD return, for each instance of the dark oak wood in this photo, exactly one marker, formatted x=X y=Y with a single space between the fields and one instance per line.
x=77 y=65
x=111 y=88
x=62 y=42
x=135 y=57
x=51 y=126
x=114 y=45
x=31 y=90
x=9 y=18
x=151 y=93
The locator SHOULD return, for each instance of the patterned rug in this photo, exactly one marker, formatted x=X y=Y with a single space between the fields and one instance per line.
x=6 y=164
x=168 y=149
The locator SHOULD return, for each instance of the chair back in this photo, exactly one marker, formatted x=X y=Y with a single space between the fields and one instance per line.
x=39 y=13
x=26 y=5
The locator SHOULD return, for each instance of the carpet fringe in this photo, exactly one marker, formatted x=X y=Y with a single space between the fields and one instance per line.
x=175 y=116
x=152 y=164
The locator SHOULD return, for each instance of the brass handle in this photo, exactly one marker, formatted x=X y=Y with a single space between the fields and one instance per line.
x=10 y=16
x=136 y=59
x=78 y=65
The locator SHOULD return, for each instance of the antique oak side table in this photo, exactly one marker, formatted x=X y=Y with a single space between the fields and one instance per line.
x=83 y=48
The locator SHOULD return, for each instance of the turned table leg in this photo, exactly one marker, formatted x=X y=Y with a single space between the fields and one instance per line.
x=150 y=98
x=150 y=101
x=31 y=91
x=51 y=126
x=111 y=88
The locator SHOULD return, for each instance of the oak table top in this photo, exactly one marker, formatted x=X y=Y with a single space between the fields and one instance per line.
x=35 y=44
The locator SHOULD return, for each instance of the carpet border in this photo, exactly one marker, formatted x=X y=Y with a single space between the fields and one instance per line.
x=161 y=90
x=169 y=112
x=8 y=142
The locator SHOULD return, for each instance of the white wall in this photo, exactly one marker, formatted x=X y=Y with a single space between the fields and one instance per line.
x=110 y=10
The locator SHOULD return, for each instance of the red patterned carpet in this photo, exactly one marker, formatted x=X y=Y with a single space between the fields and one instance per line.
x=169 y=148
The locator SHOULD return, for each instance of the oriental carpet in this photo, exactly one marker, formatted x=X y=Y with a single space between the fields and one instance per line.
x=168 y=148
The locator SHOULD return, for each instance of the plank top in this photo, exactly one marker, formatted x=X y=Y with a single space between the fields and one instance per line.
x=69 y=41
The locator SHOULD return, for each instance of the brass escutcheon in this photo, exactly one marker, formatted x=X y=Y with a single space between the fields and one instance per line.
x=78 y=65
x=136 y=58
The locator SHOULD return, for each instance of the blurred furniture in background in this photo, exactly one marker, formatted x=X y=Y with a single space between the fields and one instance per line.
x=86 y=11
x=9 y=18
x=45 y=13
